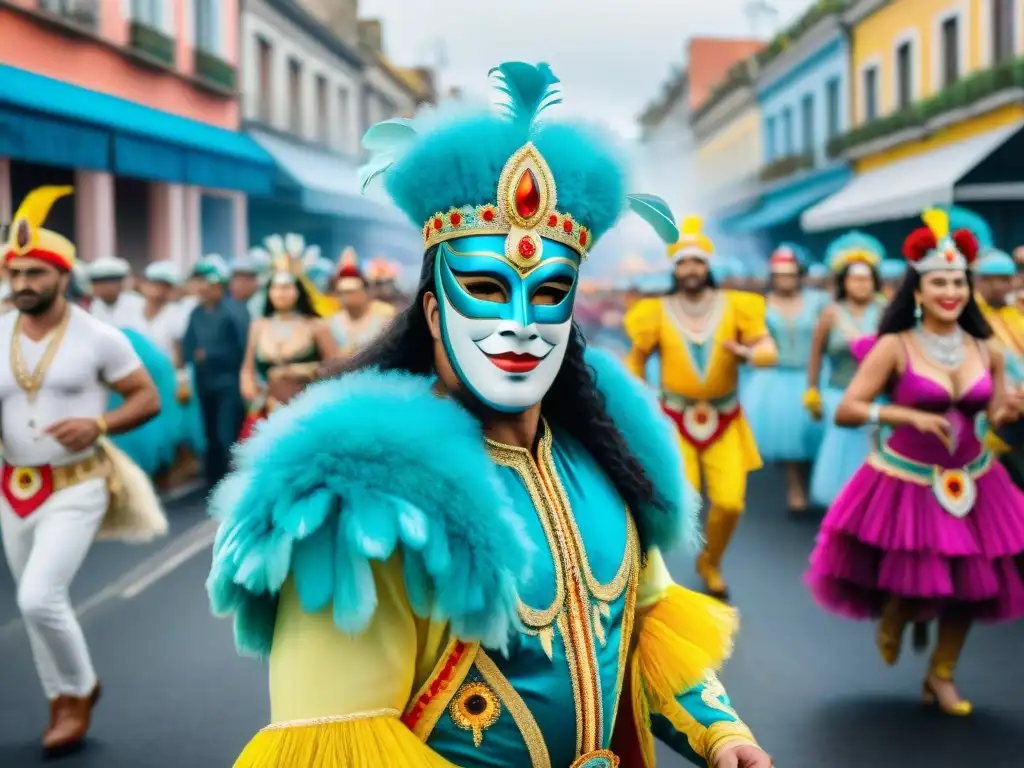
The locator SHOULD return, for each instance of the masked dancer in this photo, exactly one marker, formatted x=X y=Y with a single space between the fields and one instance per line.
x=703 y=336
x=930 y=526
x=472 y=443
x=63 y=482
x=854 y=259
x=290 y=338
x=784 y=430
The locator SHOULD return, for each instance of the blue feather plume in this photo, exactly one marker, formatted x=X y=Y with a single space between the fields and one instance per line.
x=655 y=212
x=529 y=88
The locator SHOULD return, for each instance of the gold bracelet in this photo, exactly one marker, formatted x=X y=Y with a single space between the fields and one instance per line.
x=101 y=422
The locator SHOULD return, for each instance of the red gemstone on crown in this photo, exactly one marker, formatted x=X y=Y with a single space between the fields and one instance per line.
x=488 y=215
x=949 y=256
x=527 y=249
x=455 y=219
x=24 y=234
x=583 y=237
x=527 y=195
x=438 y=223
x=567 y=226
x=552 y=220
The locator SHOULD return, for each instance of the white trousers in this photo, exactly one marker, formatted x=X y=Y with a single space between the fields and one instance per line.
x=45 y=551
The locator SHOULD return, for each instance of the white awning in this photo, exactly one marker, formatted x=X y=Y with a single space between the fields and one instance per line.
x=905 y=188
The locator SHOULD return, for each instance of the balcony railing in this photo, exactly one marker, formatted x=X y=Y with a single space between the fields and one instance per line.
x=967 y=92
x=151 y=43
x=214 y=71
x=82 y=13
x=787 y=166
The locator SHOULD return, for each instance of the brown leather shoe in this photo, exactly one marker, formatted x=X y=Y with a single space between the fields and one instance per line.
x=71 y=719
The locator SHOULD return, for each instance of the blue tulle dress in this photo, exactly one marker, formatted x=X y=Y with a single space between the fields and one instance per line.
x=773 y=397
x=152 y=446
x=843 y=449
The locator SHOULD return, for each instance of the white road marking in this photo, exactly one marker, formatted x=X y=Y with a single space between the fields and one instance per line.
x=162 y=563
x=168 y=566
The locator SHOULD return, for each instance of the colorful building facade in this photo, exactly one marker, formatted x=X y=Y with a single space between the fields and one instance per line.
x=134 y=103
x=802 y=89
x=937 y=114
x=314 y=78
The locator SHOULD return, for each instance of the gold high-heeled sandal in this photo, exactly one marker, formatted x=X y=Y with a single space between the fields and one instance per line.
x=930 y=696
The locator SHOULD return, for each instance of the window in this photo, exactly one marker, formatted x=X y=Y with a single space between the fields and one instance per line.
x=787 y=132
x=323 y=122
x=1004 y=28
x=344 y=116
x=870 y=94
x=208 y=35
x=772 y=139
x=294 y=96
x=148 y=12
x=832 y=106
x=807 y=118
x=950 y=51
x=265 y=75
x=904 y=75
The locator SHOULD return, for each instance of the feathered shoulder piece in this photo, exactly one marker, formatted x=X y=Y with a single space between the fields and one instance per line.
x=458 y=172
x=360 y=467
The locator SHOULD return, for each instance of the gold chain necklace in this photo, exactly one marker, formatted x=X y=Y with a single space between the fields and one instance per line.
x=32 y=381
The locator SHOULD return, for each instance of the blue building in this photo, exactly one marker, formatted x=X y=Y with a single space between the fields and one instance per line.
x=802 y=86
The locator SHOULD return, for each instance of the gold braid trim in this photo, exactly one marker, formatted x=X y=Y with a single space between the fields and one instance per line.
x=315 y=721
x=724 y=734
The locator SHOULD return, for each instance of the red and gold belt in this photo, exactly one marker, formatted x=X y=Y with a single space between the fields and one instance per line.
x=26 y=488
x=700 y=422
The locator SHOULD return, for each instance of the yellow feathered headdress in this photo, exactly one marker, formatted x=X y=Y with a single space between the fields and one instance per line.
x=290 y=255
x=692 y=241
x=27 y=238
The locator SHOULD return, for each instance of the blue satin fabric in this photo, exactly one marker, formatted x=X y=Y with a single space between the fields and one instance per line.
x=545 y=685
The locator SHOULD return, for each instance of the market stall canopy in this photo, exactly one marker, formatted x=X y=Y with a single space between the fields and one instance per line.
x=904 y=188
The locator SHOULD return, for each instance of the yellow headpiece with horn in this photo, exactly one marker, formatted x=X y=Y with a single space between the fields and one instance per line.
x=27 y=238
x=692 y=242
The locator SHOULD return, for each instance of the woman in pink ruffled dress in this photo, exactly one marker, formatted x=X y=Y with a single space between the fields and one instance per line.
x=931 y=526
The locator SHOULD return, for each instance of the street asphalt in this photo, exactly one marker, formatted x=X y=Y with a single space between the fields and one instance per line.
x=810 y=685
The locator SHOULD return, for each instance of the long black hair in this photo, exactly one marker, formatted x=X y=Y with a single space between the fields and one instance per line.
x=303 y=305
x=574 y=403
x=841 y=281
x=900 y=314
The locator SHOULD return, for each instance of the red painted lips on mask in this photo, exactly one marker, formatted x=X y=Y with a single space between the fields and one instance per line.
x=512 y=362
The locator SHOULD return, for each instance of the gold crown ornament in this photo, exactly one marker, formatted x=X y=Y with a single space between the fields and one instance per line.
x=525 y=212
x=27 y=238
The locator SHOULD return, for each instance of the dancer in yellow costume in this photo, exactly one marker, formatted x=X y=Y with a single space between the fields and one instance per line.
x=703 y=335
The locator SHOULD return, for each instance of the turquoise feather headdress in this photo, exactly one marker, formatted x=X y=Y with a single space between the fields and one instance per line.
x=854 y=247
x=509 y=172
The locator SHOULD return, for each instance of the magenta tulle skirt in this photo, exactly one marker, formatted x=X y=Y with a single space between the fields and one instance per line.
x=885 y=537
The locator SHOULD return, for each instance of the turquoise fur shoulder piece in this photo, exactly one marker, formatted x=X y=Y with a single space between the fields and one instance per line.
x=359 y=468
x=354 y=470
x=673 y=519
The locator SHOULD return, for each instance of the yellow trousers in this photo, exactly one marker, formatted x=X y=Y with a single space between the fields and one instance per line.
x=720 y=470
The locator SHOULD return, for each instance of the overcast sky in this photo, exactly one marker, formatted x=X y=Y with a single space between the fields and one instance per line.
x=612 y=57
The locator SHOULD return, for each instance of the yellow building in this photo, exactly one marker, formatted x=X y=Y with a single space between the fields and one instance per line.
x=727 y=130
x=937 y=110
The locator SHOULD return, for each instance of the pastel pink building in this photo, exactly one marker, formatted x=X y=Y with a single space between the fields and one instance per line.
x=135 y=103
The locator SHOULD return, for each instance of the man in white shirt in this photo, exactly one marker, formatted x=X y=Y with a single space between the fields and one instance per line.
x=163 y=320
x=57 y=365
x=111 y=302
